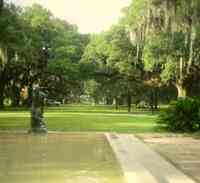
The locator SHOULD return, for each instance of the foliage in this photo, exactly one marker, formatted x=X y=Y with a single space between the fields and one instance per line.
x=109 y=59
x=25 y=32
x=154 y=46
x=121 y=52
x=134 y=12
x=182 y=115
x=166 y=34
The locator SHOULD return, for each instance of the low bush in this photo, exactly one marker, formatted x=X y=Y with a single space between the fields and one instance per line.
x=182 y=115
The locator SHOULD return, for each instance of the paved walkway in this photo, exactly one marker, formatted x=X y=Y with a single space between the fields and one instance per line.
x=141 y=164
x=182 y=151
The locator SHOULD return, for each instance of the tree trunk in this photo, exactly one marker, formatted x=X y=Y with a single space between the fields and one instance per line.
x=2 y=88
x=29 y=100
x=3 y=56
x=116 y=101
x=155 y=98
x=15 y=96
x=151 y=100
x=129 y=101
x=182 y=90
x=191 y=41
x=1 y=100
x=109 y=100
x=3 y=62
x=96 y=100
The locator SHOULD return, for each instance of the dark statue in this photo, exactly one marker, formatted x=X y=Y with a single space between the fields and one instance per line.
x=38 y=96
x=37 y=110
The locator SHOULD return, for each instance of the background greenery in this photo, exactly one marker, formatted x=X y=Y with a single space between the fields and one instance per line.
x=149 y=58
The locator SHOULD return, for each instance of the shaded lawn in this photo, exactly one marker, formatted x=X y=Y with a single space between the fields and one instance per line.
x=84 y=118
x=87 y=108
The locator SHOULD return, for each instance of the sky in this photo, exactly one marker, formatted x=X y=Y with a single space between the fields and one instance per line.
x=91 y=16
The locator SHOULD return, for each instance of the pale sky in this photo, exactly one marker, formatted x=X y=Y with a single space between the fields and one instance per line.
x=91 y=16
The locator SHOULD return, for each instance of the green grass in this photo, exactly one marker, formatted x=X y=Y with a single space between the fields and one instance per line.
x=84 y=118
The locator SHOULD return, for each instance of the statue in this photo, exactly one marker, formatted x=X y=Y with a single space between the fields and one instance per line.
x=37 y=110
x=38 y=96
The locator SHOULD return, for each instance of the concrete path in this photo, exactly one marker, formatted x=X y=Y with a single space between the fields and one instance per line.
x=141 y=164
x=183 y=151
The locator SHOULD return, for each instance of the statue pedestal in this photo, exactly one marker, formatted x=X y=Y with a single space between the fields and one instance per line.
x=38 y=130
x=37 y=123
x=41 y=130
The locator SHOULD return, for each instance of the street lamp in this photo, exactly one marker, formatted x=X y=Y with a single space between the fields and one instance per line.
x=1 y=5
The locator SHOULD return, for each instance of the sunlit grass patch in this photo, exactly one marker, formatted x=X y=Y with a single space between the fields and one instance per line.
x=75 y=118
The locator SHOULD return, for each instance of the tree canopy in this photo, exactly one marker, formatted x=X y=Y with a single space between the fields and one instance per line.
x=30 y=37
x=167 y=36
x=154 y=48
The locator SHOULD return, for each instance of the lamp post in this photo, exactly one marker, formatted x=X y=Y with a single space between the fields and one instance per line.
x=1 y=5
x=38 y=95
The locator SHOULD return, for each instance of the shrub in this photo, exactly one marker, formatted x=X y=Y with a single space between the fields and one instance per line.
x=182 y=115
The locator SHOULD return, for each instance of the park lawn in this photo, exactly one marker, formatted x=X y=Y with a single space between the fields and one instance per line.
x=84 y=118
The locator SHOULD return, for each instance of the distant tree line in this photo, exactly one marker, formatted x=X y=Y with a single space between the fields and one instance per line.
x=152 y=55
